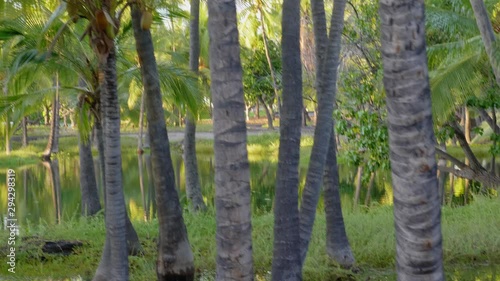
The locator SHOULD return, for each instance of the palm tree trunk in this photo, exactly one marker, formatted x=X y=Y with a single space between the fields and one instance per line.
x=115 y=212
x=286 y=253
x=337 y=243
x=141 y=184
x=495 y=131
x=141 y=126
x=327 y=58
x=193 y=187
x=268 y=113
x=371 y=182
x=359 y=181
x=88 y=185
x=175 y=258
x=232 y=174
x=25 y=131
x=268 y=57
x=486 y=29
x=53 y=143
x=417 y=210
x=7 y=126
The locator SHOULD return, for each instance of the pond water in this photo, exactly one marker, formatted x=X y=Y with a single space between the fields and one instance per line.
x=40 y=199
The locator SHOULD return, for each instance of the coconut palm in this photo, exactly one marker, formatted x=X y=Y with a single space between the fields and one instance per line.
x=417 y=210
x=232 y=176
x=175 y=258
x=193 y=187
x=327 y=59
x=286 y=250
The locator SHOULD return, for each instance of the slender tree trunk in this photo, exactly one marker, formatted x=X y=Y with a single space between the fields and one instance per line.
x=193 y=187
x=327 y=59
x=175 y=258
x=371 y=182
x=53 y=143
x=257 y=104
x=268 y=113
x=442 y=175
x=467 y=125
x=88 y=185
x=141 y=184
x=486 y=29
x=25 y=131
x=268 y=57
x=114 y=261
x=495 y=131
x=286 y=254
x=232 y=174
x=337 y=243
x=359 y=180
x=141 y=126
x=417 y=210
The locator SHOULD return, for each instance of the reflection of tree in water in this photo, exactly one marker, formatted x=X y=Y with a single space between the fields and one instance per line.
x=55 y=181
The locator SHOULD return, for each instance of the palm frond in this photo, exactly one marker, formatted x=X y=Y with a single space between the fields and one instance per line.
x=452 y=84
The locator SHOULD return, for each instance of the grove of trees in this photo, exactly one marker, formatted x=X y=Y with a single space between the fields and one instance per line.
x=389 y=84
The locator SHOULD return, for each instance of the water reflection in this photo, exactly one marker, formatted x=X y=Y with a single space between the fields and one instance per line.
x=56 y=184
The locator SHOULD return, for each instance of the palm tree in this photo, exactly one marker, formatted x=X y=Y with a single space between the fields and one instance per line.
x=486 y=29
x=175 y=258
x=286 y=250
x=193 y=188
x=232 y=176
x=417 y=210
x=327 y=58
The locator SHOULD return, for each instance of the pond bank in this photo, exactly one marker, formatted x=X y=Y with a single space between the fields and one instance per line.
x=471 y=246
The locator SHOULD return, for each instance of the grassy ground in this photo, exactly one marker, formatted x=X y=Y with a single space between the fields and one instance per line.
x=470 y=234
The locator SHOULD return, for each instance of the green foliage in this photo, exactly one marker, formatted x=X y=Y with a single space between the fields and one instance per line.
x=469 y=241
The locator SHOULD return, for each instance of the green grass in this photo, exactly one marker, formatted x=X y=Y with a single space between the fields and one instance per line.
x=470 y=234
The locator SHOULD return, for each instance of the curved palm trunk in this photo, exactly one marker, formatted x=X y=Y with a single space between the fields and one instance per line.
x=232 y=175
x=175 y=258
x=337 y=243
x=487 y=34
x=327 y=59
x=53 y=143
x=286 y=253
x=88 y=185
x=417 y=211
x=115 y=249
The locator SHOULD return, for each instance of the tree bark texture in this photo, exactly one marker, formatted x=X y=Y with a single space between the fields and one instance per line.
x=175 y=258
x=193 y=187
x=286 y=251
x=337 y=243
x=232 y=175
x=487 y=34
x=417 y=209
x=88 y=186
x=53 y=142
x=115 y=212
x=327 y=59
